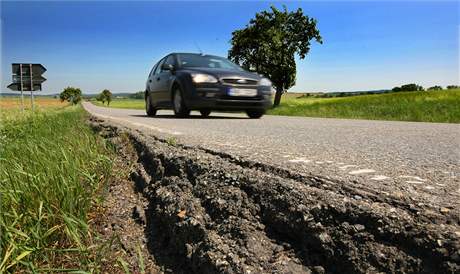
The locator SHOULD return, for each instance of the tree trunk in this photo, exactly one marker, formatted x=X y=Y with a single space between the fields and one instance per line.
x=279 y=92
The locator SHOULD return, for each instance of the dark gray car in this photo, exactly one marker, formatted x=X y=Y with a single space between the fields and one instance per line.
x=188 y=81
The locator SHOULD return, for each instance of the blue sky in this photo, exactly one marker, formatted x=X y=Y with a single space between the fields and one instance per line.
x=96 y=45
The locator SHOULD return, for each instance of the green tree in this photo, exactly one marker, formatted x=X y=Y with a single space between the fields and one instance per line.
x=106 y=95
x=435 y=88
x=453 y=87
x=70 y=94
x=269 y=43
x=100 y=98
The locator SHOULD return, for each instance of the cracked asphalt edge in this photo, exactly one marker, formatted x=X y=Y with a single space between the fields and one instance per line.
x=218 y=213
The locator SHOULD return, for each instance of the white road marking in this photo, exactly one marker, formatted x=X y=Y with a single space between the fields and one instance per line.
x=329 y=162
x=429 y=187
x=414 y=182
x=286 y=156
x=412 y=177
x=299 y=160
x=319 y=162
x=380 y=177
x=347 y=166
x=361 y=171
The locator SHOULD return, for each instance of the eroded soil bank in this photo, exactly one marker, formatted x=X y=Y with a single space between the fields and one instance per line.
x=208 y=213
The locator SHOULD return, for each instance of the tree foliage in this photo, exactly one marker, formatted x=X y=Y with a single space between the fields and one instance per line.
x=453 y=87
x=70 y=94
x=269 y=43
x=105 y=96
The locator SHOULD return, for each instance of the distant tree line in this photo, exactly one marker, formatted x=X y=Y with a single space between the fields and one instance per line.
x=415 y=87
x=408 y=87
x=137 y=95
x=435 y=88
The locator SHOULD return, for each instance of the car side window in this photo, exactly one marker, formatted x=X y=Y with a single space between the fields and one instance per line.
x=158 y=68
x=153 y=69
x=170 y=60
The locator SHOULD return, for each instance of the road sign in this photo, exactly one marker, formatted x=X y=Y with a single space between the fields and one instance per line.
x=27 y=77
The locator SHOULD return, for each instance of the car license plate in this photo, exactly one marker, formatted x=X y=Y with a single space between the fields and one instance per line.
x=242 y=92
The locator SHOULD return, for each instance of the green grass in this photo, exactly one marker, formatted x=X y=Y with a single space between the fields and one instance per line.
x=51 y=165
x=432 y=106
x=123 y=103
x=427 y=106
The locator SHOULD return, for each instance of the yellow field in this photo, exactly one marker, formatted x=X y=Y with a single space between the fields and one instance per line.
x=15 y=102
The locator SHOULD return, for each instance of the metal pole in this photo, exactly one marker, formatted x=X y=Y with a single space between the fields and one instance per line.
x=31 y=88
x=22 y=95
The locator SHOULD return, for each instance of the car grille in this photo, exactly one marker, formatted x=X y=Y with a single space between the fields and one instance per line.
x=239 y=81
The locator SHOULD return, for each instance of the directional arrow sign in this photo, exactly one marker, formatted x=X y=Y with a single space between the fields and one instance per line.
x=38 y=69
x=15 y=87
x=27 y=77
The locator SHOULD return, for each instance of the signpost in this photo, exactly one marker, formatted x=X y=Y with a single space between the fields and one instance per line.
x=27 y=77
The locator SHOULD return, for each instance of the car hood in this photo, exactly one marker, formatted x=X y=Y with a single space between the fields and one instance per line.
x=222 y=73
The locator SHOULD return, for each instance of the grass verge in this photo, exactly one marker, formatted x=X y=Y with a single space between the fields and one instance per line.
x=427 y=106
x=51 y=166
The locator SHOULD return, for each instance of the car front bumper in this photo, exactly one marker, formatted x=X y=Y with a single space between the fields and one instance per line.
x=207 y=96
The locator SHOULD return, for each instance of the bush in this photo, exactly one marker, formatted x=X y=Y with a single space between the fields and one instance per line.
x=453 y=87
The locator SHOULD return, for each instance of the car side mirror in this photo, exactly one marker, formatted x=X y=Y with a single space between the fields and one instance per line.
x=167 y=67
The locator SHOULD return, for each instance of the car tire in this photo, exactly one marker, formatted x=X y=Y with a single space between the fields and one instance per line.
x=255 y=114
x=151 y=111
x=180 y=109
x=205 y=113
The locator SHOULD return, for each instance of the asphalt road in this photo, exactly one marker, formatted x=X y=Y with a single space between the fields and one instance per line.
x=419 y=160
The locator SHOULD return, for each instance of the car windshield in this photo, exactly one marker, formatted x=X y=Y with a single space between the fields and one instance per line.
x=206 y=61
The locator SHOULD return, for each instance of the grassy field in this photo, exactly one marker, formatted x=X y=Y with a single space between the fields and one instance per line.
x=51 y=166
x=432 y=106
x=10 y=102
x=123 y=103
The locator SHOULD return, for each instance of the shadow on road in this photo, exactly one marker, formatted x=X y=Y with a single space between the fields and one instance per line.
x=170 y=116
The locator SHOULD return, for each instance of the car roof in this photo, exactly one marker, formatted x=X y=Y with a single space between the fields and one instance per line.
x=193 y=53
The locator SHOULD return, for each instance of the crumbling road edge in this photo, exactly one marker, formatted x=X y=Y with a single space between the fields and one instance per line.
x=213 y=214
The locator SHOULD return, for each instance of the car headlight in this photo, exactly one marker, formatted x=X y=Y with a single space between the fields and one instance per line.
x=265 y=82
x=203 y=78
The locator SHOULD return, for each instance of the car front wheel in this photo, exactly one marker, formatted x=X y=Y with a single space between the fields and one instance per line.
x=255 y=114
x=180 y=110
